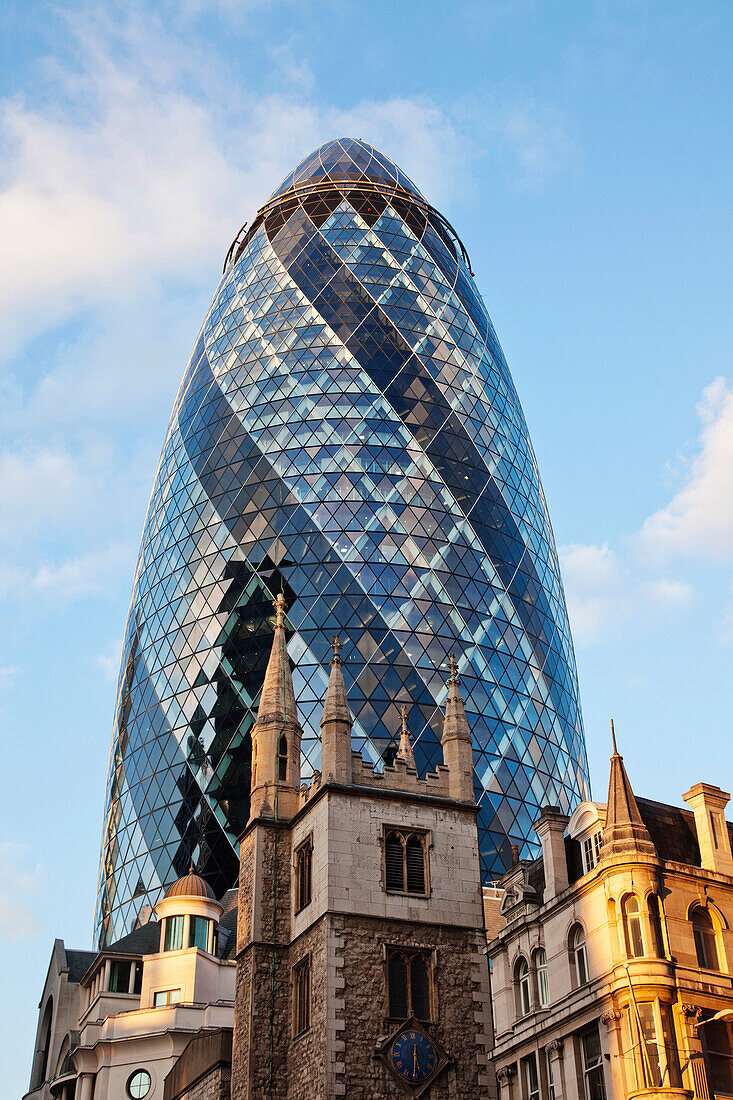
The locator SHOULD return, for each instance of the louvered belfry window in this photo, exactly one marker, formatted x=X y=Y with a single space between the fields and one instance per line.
x=405 y=861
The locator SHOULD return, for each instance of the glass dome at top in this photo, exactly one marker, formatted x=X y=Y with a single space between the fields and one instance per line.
x=347 y=430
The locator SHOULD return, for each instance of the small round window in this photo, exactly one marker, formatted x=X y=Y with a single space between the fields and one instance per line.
x=138 y=1084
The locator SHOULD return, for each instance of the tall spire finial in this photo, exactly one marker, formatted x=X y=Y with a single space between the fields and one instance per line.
x=613 y=738
x=453 y=669
x=336 y=651
x=405 y=751
x=279 y=605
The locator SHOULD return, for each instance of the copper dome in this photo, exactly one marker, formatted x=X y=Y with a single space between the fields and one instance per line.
x=190 y=886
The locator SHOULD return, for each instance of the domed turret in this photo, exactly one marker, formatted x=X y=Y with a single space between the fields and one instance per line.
x=189 y=915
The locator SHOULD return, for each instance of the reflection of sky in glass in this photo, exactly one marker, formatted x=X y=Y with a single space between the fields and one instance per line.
x=347 y=428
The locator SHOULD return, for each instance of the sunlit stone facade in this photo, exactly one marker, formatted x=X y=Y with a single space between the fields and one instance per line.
x=347 y=431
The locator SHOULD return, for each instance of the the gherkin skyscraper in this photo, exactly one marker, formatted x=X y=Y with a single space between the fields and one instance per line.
x=347 y=430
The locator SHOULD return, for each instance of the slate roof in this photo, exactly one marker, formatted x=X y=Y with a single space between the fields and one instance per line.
x=78 y=963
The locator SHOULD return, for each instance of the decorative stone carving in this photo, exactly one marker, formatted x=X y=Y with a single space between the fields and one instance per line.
x=505 y=1073
x=611 y=1018
x=554 y=1045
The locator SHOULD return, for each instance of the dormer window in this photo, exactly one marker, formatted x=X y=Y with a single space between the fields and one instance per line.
x=591 y=851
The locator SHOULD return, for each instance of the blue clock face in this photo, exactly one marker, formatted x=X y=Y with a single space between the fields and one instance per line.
x=413 y=1056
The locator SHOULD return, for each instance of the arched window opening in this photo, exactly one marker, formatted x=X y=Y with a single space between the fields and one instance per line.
x=420 y=985
x=394 y=863
x=282 y=759
x=705 y=940
x=303 y=863
x=578 y=955
x=524 y=991
x=543 y=980
x=405 y=862
x=409 y=984
x=415 y=852
x=398 y=986
x=44 y=1050
x=632 y=927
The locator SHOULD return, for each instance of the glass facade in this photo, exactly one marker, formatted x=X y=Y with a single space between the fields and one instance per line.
x=347 y=429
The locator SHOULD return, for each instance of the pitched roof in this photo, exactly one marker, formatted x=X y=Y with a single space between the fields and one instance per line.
x=78 y=963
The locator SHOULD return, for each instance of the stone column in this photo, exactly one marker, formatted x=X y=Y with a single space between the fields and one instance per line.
x=691 y=1057
x=86 y=1086
x=554 y=1052
x=105 y=978
x=133 y=972
x=505 y=1076
x=611 y=1044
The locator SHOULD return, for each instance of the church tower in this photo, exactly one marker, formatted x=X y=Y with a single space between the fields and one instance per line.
x=360 y=969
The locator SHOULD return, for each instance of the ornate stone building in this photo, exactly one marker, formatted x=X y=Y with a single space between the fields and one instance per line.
x=611 y=977
x=360 y=948
x=360 y=956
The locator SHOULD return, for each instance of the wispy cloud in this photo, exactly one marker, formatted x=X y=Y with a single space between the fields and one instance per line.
x=699 y=518
x=19 y=882
x=606 y=595
x=109 y=662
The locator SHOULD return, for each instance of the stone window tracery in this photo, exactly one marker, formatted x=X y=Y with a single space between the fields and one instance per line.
x=409 y=983
x=405 y=862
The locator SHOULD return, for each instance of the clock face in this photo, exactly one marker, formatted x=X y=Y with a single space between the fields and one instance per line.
x=413 y=1056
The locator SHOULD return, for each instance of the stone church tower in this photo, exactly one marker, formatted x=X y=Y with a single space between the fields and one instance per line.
x=360 y=962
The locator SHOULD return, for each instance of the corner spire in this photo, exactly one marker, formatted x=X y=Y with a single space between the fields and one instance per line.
x=625 y=830
x=406 y=751
x=276 y=734
x=336 y=724
x=456 y=739
x=336 y=704
x=277 y=699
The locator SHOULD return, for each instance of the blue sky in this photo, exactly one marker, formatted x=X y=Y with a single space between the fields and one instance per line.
x=582 y=151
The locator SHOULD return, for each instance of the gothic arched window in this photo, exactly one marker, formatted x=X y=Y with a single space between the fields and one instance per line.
x=282 y=759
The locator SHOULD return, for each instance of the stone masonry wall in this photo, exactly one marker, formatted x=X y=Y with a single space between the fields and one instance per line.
x=216 y=1085
x=262 y=1014
x=463 y=1020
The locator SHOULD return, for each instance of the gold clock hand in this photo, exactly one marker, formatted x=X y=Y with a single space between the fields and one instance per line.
x=414 y=1059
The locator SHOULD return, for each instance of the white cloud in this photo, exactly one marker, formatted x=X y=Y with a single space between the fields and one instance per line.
x=84 y=575
x=7 y=675
x=34 y=485
x=109 y=662
x=666 y=593
x=18 y=880
x=140 y=171
x=603 y=593
x=594 y=589
x=699 y=518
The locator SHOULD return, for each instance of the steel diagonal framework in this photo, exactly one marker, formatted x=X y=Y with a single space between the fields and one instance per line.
x=347 y=431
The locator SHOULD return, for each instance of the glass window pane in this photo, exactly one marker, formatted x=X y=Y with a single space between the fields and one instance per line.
x=199 y=933
x=398 y=986
x=420 y=988
x=173 y=934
